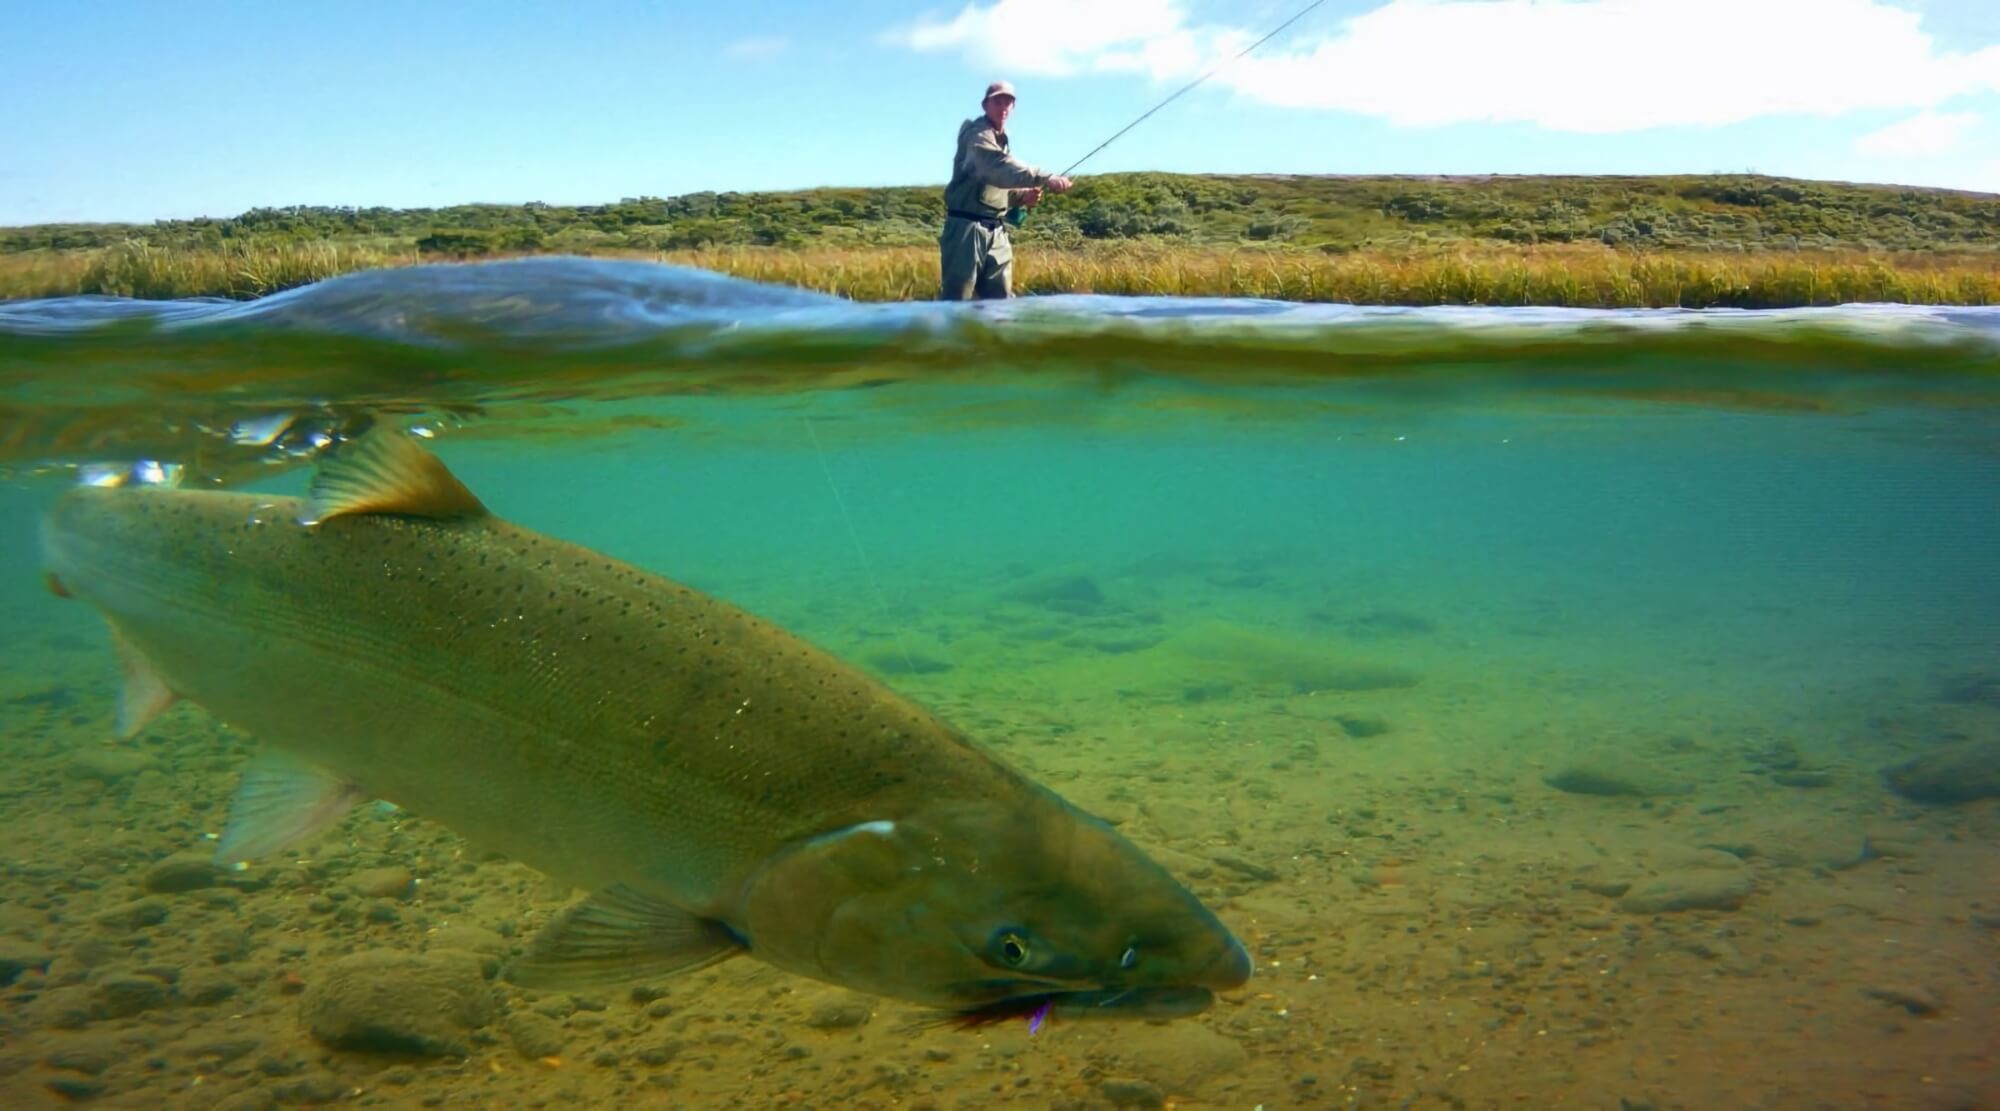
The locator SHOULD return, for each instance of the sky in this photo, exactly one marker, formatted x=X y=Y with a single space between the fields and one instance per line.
x=136 y=110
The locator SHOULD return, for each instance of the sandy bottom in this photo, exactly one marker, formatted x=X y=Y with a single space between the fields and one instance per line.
x=1361 y=792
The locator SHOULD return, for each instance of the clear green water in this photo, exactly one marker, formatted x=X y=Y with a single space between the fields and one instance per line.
x=1314 y=604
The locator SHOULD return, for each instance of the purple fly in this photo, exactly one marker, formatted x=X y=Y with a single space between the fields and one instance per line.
x=1041 y=1013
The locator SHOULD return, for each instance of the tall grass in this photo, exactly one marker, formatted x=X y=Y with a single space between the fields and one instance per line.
x=1594 y=277
x=1566 y=275
x=239 y=271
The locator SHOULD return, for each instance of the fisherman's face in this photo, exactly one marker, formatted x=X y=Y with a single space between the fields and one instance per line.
x=998 y=108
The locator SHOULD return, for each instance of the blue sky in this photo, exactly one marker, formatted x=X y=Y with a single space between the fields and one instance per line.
x=143 y=110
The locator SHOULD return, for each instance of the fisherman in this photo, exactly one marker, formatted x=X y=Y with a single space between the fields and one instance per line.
x=986 y=183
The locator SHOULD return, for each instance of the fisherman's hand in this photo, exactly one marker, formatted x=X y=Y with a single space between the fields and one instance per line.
x=1058 y=184
x=1029 y=197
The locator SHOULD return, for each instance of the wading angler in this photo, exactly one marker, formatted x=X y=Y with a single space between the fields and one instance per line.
x=989 y=188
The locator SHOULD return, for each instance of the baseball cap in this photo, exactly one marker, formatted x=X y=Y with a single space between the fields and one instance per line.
x=998 y=88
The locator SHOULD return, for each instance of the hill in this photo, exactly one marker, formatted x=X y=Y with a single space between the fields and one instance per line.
x=1710 y=212
x=1693 y=241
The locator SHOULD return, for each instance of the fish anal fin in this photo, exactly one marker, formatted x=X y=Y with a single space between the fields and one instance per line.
x=144 y=695
x=387 y=471
x=280 y=802
x=619 y=935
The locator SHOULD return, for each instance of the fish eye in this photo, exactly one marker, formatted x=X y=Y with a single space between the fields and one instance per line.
x=1011 y=947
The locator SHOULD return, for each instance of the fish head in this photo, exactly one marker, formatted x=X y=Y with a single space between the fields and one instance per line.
x=989 y=910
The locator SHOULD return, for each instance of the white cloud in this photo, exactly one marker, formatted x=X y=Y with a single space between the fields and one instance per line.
x=757 y=49
x=1569 y=65
x=1925 y=133
x=1049 y=37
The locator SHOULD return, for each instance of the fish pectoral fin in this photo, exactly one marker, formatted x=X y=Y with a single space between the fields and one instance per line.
x=619 y=934
x=145 y=695
x=281 y=801
x=386 y=471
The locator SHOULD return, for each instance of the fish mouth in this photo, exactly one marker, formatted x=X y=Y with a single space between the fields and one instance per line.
x=1154 y=1003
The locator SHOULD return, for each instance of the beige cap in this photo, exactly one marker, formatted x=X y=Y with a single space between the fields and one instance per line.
x=998 y=88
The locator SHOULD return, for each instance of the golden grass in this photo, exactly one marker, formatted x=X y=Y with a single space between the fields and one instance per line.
x=1595 y=277
x=1569 y=275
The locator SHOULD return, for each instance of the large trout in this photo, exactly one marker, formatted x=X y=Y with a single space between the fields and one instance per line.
x=720 y=785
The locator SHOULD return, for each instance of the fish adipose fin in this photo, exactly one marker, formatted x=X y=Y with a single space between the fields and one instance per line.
x=618 y=935
x=386 y=471
x=145 y=695
x=281 y=802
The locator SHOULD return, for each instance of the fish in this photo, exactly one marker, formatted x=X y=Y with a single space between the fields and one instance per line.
x=719 y=786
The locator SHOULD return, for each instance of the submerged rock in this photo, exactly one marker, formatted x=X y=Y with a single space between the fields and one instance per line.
x=1062 y=593
x=1971 y=688
x=1386 y=623
x=907 y=663
x=384 y=1001
x=1689 y=889
x=534 y=1035
x=17 y=957
x=1951 y=773
x=1913 y=998
x=1361 y=726
x=384 y=883
x=188 y=871
x=135 y=915
x=107 y=765
x=1610 y=771
x=840 y=1014
x=128 y=993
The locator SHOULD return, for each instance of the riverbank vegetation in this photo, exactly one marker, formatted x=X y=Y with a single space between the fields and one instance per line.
x=1698 y=242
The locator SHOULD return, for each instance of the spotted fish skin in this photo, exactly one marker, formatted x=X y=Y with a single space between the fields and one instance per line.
x=734 y=786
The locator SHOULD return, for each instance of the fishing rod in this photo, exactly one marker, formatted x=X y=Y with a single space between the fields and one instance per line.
x=1018 y=215
x=1274 y=33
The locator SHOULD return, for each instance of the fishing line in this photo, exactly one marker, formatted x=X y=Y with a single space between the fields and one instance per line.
x=861 y=553
x=1190 y=85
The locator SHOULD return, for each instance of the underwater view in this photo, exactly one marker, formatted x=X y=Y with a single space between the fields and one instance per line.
x=559 y=682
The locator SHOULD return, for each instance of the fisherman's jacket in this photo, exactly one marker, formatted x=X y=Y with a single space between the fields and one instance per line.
x=983 y=171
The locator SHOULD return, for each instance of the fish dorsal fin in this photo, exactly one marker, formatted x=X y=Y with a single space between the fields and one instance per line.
x=145 y=695
x=386 y=471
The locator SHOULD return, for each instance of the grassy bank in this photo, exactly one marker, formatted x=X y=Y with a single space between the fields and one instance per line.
x=1692 y=240
x=1584 y=275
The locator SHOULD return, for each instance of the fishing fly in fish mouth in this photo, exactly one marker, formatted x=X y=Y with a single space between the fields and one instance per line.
x=721 y=787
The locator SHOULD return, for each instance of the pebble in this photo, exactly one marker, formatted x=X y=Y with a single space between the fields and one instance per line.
x=842 y=1015
x=1689 y=889
x=86 y=1053
x=76 y=1087
x=383 y=883
x=122 y=996
x=181 y=872
x=1245 y=867
x=17 y=957
x=1952 y=773
x=534 y=1036
x=472 y=939
x=1910 y=997
x=1123 y=1092
x=1361 y=726
x=202 y=988
x=660 y=1053
x=107 y=765
x=1804 y=779
x=388 y=1001
x=1613 y=772
x=135 y=915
